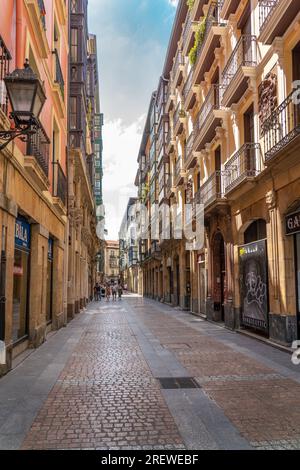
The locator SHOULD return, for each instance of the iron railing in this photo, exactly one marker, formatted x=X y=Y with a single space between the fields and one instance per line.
x=179 y=60
x=212 y=189
x=5 y=59
x=188 y=84
x=212 y=19
x=60 y=185
x=212 y=101
x=176 y=115
x=58 y=73
x=187 y=27
x=38 y=146
x=245 y=163
x=266 y=8
x=43 y=13
x=178 y=166
x=282 y=126
x=189 y=146
x=245 y=54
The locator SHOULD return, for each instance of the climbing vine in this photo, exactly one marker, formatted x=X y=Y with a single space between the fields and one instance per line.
x=199 y=38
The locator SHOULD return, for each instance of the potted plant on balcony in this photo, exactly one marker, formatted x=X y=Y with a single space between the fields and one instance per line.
x=190 y=4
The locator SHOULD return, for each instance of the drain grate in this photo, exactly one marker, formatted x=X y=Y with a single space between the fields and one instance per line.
x=170 y=383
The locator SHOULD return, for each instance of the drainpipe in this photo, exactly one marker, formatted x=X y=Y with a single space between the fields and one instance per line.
x=19 y=34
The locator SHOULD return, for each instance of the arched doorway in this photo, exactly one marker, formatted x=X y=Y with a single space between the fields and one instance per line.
x=219 y=274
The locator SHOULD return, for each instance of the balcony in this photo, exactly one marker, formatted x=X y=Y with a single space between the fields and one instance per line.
x=189 y=97
x=62 y=12
x=170 y=187
x=275 y=16
x=213 y=31
x=60 y=188
x=37 y=17
x=59 y=84
x=190 y=157
x=179 y=173
x=170 y=100
x=212 y=191
x=240 y=67
x=209 y=117
x=37 y=158
x=197 y=10
x=161 y=146
x=5 y=58
x=178 y=69
x=282 y=129
x=188 y=34
x=178 y=120
x=242 y=168
x=170 y=143
x=229 y=7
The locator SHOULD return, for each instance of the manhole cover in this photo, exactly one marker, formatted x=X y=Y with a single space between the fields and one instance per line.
x=169 y=383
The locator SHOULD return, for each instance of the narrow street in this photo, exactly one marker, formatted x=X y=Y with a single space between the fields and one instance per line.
x=94 y=385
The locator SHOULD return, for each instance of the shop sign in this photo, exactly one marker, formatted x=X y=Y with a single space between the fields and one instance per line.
x=292 y=223
x=50 y=249
x=22 y=234
x=254 y=285
x=18 y=271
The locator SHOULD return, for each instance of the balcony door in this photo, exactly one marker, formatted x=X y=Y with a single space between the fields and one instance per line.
x=249 y=163
x=296 y=77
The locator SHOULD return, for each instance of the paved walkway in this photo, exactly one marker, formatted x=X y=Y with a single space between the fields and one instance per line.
x=94 y=385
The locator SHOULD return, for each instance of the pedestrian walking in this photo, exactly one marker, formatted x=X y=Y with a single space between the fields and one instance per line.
x=114 y=292
x=96 y=292
x=99 y=291
x=107 y=293
x=120 y=291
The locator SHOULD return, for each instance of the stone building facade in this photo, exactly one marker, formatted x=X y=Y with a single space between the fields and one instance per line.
x=229 y=142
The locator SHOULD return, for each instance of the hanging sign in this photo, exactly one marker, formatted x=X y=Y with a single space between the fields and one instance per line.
x=22 y=234
x=292 y=223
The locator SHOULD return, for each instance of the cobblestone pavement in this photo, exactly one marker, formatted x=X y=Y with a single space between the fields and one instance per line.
x=105 y=392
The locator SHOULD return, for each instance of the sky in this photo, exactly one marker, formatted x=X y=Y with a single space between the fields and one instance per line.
x=132 y=37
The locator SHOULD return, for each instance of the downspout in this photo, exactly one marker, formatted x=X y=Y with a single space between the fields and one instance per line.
x=19 y=34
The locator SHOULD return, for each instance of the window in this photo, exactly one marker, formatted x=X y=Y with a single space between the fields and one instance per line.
x=256 y=231
x=74 y=45
x=5 y=57
x=74 y=6
x=73 y=112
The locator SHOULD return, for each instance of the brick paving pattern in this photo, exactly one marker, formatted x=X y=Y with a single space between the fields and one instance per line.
x=107 y=398
x=262 y=404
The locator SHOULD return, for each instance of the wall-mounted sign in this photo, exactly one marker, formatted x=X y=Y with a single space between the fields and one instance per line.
x=22 y=234
x=292 y=223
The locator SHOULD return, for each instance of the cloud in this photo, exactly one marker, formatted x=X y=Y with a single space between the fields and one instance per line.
x=121 y=146
x=174 y=3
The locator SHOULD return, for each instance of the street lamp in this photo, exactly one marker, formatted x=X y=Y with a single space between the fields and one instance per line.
x=27 y=98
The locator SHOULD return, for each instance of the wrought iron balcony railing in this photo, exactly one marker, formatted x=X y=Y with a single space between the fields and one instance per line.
x=188 y=84
x=212 y=101
x=38 y=146
x=187 y=26
x=213 y=188
x=282 y=126
x=179 y=60
x=189 y=146
x=176 y=115
x=5 y=58
x=58 y=73
x=60 y=185
x=178 y=166
x=245 y=54
x=245 y=163
x=212 y=19
x=266 y=8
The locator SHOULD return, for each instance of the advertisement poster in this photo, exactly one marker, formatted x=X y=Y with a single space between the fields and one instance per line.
x=254 y=285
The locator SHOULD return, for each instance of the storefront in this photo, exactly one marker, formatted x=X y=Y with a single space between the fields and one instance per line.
x=254 y=278
x=21 y=274
x=202 y=283
x=293 y=229
x=49 y=302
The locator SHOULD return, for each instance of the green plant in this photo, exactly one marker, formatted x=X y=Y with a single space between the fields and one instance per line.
x=190 y=3
x=199 y=38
